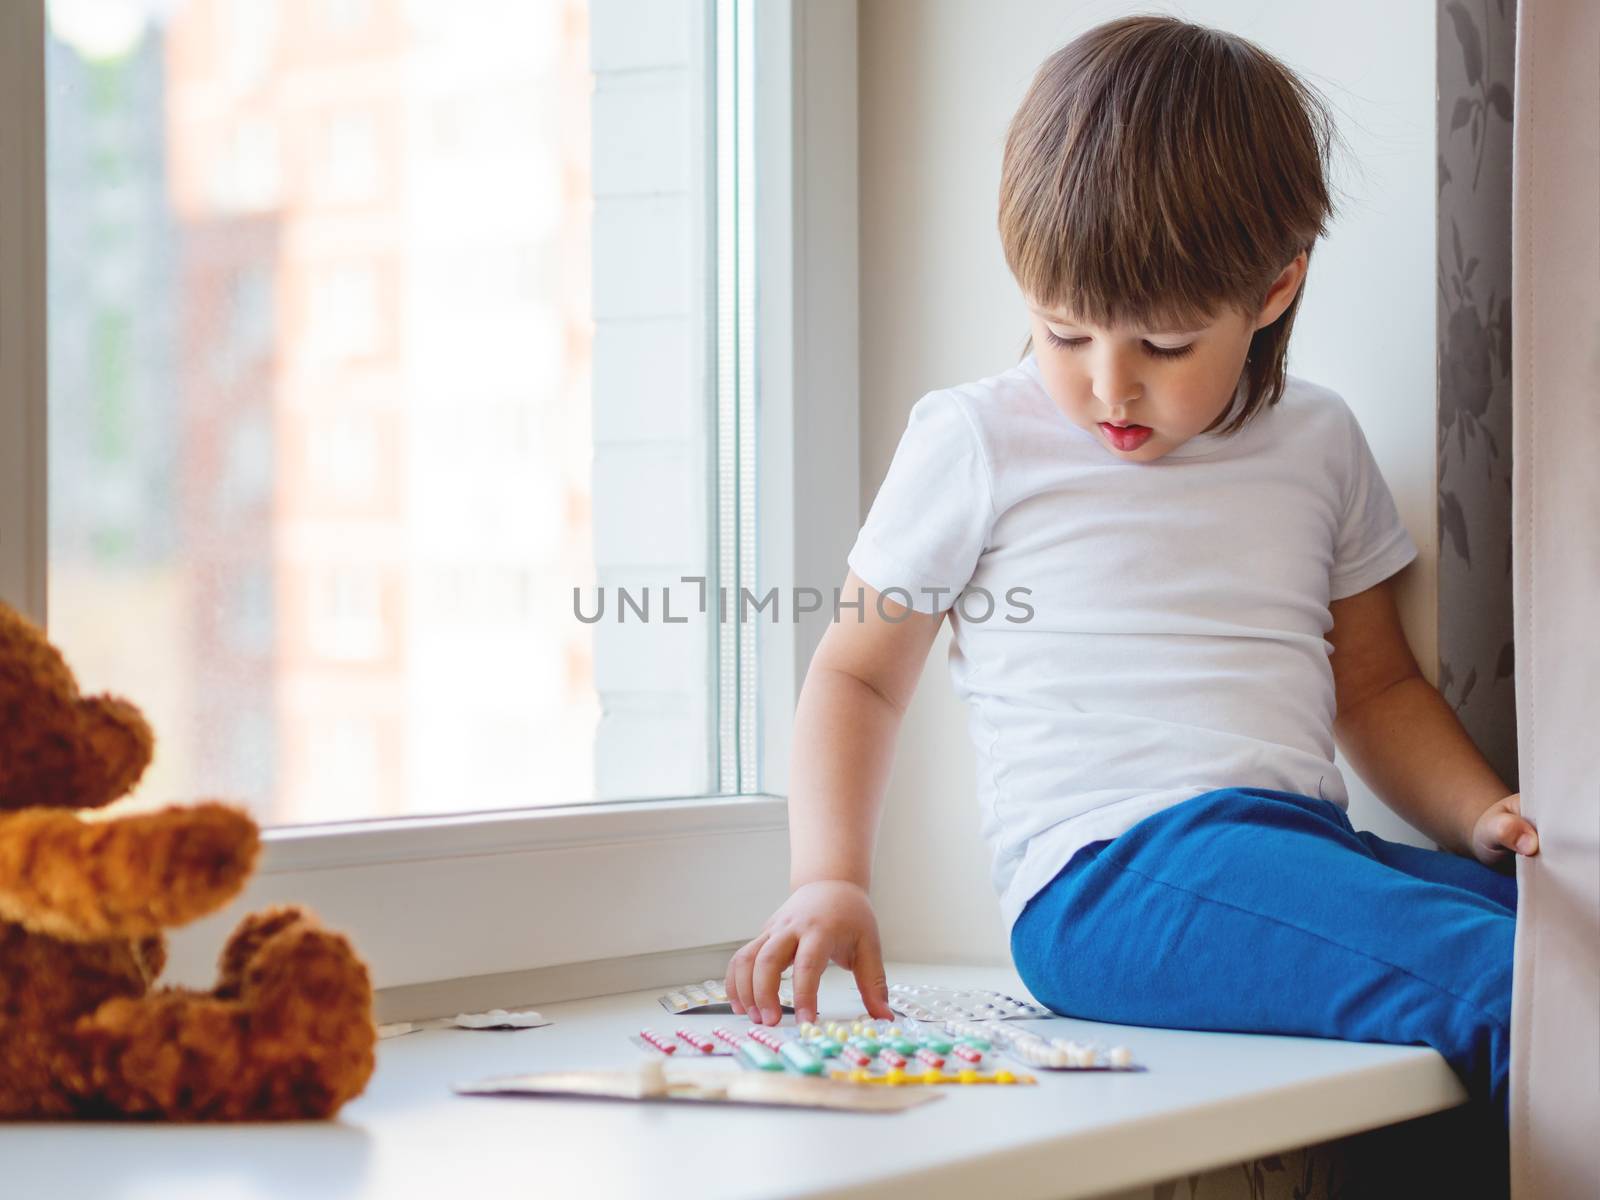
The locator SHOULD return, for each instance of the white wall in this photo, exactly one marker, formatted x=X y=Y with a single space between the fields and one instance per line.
x=939 y=80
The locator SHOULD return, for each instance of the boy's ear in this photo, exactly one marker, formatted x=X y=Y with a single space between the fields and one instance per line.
x=1283 y=290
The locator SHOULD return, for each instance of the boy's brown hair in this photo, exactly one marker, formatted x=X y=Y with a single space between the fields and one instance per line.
x=1158 y=172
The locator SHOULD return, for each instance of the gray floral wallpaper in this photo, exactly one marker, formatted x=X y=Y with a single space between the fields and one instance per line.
x=1476 y=59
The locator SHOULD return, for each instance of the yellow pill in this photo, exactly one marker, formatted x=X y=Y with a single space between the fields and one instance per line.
x=894 y=1077
x=1004 y=1077
x=859 y=1076
x=968 y=1076
x=894 y=1031
x=932 y=1076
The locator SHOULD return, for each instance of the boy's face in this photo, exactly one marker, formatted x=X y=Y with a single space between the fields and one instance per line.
x=1166 y=385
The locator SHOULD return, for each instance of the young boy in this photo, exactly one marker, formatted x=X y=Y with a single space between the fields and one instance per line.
x=1205 y=546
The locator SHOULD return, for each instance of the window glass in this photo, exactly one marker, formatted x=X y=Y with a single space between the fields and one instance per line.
x=333 y=463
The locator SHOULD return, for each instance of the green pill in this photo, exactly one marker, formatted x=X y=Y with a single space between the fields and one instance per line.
x=759 y=1057
x=800 y=1056
x=904 y=1046
x=867 y=1046
x=826 y=1047
x=975 y=1043
x=937 y=1045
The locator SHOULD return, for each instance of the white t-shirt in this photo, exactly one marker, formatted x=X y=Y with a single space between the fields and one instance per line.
x=1170 y=639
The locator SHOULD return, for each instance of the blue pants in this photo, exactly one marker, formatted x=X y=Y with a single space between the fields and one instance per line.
x=1259 y=911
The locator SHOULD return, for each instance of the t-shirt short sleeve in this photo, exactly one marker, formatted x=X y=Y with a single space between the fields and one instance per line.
x=1372 y=542
x=934 y=511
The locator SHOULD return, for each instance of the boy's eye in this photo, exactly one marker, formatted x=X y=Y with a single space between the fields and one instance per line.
x=1156 y=351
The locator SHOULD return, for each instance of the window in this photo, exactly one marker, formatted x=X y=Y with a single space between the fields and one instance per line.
x=301 y=343
x=328 y=398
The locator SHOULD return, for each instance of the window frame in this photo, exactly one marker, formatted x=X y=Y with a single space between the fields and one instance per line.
x=455 y=896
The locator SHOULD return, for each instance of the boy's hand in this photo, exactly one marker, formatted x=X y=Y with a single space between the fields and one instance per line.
x=827 y=920
x=1501 y=830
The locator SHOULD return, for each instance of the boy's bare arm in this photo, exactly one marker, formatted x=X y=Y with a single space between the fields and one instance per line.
x=1406 y=743
x=856 y=690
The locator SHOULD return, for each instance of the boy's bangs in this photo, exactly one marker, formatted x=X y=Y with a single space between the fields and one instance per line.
x=1112 y=255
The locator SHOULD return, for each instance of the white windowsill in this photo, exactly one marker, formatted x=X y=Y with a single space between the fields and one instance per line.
x=452 y=835
x=1206 y=1100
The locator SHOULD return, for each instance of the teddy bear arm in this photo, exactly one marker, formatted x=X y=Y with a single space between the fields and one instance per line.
x=88 y=880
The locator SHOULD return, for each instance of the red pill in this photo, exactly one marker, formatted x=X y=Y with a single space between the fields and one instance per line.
x=659 y=1042
x=929 y=1057
x=855 y=1055
x=703 y=1044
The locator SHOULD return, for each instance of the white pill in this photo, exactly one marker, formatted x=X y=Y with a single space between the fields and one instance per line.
x=1120 y=1056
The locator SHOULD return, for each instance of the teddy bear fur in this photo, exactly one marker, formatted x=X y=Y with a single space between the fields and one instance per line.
x=286 y=1032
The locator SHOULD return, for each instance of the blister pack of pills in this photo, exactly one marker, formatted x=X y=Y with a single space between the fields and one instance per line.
x=1048 y=1054
x=926 y=1003
x=495 y=1019
x=697 y=997
x=871 y=1052
x=693 y=1043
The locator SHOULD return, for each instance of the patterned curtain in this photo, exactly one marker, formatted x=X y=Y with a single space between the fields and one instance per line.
x=1476 y=63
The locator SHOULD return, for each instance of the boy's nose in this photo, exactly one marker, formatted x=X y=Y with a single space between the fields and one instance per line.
x=1117 y=391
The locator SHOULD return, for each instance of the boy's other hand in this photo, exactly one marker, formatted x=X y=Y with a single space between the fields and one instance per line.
x=828 y=920
x=1501 y=829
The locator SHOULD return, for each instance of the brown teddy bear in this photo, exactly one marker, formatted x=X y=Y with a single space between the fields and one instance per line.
x=287 y=1032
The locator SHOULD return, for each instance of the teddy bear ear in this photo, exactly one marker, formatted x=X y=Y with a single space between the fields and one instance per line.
x=57 y=748
x=120 y=742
